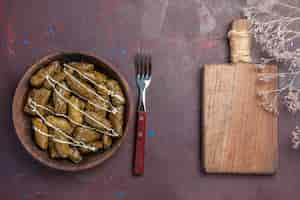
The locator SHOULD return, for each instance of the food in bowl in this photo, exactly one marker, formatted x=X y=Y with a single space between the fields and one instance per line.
x=75 y=110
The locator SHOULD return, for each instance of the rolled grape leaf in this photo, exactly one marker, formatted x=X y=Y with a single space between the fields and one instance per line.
x=86 y=135
x=39 y=129
x=97 y=121
x=117 y=120
x=60 y=105
x=39 y=77
x=74 y=155
x=107 y=141
x=73 y=109
x=82 y=66
x=37 y=96
x=60 y=123
x=98 y=145
x=118 y=96
x=58 y=76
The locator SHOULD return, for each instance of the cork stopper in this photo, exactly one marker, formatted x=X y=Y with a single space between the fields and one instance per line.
x=240 y=41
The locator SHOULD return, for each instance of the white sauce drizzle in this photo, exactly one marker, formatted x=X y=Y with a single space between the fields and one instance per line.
x=71 y=120
x=114 y=133
x=114 y=110
x=34 y=109
x=34 y=105
x=63 y=141
x=89 y=89
x=109 y=92
x=63 y=134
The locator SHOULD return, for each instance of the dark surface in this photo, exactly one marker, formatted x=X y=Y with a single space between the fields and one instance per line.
x=182 y=38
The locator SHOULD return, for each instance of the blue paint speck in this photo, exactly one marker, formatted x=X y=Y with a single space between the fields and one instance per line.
x=123 y=51
x=151 y=133
x=51 y=29
x=114 y=50
x=121 y=195
x=26 y=42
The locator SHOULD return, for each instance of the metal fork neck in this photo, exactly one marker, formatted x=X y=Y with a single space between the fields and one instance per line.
x=142 y=100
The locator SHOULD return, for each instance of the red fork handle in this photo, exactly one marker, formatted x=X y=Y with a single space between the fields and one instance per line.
x=140 y=144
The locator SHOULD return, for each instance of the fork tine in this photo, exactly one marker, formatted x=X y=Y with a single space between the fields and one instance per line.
x=150 y=66
x=139 y=65
x=143 y=65
x=147 y=66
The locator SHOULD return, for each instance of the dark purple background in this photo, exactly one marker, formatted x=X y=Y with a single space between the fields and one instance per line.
x=182 y=36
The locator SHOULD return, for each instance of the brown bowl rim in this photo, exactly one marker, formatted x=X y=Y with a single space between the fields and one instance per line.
x=75 y=167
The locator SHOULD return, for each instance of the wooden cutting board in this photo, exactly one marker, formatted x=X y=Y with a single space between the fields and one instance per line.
x=238 y=136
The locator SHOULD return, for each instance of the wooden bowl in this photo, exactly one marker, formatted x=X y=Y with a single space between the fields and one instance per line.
x=22 y=122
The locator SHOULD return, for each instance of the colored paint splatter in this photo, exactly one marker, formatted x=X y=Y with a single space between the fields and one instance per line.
x=11 y=35
x=120 y=195
x=208 y=21
x=59 y=26
x=123 y=51
x=51 y=29
x=115 y=52
x=153 y=18
x=11 y=39
x=207 y=44
x=26 y=42
x=151 y=133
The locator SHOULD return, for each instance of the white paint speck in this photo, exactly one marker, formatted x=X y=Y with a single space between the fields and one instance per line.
x=266 y=5
x=207 y=20
x=154 y=17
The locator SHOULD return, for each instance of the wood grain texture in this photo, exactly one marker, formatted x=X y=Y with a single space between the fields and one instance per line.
x=239 y=136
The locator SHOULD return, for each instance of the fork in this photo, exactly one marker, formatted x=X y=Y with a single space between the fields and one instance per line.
x=143 y=65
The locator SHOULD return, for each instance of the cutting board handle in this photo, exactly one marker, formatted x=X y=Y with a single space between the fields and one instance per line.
x=240 y=41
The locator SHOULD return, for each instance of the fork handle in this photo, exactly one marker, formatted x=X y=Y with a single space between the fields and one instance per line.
x=140 y=144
